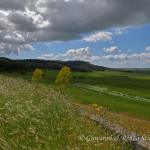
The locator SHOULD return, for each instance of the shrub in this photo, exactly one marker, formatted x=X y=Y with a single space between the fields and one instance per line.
x=63 y=78
x=37 y=75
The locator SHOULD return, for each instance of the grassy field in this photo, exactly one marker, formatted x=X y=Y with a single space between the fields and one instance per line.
x=118 y=104
x=134 y=85
x=35 y=117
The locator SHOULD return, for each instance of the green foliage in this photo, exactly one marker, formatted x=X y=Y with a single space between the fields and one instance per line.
x=29 y=121
x=63 y=78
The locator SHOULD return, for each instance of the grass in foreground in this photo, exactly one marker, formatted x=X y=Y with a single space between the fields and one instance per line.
x=36 y=117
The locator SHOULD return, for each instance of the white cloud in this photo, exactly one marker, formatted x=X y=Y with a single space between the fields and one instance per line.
x=15 y=37
x=118 y=31
x=48 y=55
x=116 y=57
x=79 y=54
x=141 y=56
x=124 y=60
x=26 y=47
x=3 y=13
x=112 y=49
x=148 y=48
x=100 y=36
x=94 y=58
x=72 y=54
x=41 y=58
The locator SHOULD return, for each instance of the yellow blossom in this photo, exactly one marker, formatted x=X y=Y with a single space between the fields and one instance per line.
x=63 y=78
x=37 y=75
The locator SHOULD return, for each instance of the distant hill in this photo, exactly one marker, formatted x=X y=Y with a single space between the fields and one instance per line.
x=31 y=64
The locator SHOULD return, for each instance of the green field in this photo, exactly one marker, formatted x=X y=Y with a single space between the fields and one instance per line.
x=135 y=85
x=37 y=117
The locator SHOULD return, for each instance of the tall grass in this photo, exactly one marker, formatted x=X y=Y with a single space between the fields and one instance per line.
x=36 y=117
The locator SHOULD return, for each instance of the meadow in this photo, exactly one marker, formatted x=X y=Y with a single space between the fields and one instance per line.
x=36 y=116
x=122 y=92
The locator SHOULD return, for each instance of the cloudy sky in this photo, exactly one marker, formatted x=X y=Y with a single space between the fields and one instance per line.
x=112 y=33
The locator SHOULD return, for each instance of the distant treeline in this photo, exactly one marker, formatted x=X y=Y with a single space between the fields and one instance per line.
x=135 y=70
x=31 y=64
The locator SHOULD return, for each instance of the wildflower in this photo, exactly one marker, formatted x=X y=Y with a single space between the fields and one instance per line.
x=95 y=105
x=101 y=107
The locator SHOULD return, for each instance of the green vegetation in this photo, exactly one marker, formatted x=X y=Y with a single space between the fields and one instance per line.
x=118 y=104
x=37 y=118
x=133 y=84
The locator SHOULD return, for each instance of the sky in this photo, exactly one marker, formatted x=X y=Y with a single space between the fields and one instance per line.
x=111 y=33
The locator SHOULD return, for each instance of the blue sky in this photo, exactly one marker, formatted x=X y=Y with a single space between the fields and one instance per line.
x=78 y=30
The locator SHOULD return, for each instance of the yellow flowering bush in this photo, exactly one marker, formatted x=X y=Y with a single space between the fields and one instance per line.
x=37 y=75
x=63 y=78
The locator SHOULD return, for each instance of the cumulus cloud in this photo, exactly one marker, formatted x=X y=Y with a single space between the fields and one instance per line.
x=141 y=56
x=48 y=20
x=111 y=49
x=28 y=20
x=100 y=36
x=72 y=54
x=116 y=57
x=133 y=60
x=148 y=48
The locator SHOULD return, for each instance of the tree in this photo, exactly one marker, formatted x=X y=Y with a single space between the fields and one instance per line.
x=37 y=75
x=63 y=78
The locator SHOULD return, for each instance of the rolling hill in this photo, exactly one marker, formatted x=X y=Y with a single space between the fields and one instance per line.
x=31 y=64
